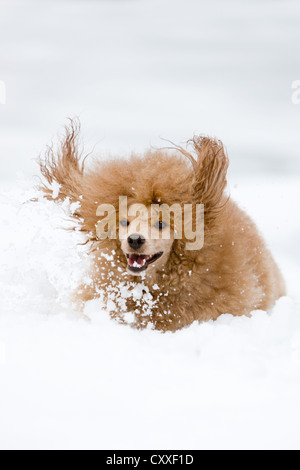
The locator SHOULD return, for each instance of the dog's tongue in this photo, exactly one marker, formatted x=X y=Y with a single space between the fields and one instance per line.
x=137 y=260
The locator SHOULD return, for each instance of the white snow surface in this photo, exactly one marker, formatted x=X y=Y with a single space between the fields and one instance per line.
x=135 y=70
x=66 y=382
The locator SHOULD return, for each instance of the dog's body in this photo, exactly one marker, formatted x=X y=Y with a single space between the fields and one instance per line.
x=159 y=282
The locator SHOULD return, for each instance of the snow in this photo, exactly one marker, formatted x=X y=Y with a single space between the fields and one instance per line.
x=70 y=382
x=135 y=71
x=55 y=187
x=138 y=70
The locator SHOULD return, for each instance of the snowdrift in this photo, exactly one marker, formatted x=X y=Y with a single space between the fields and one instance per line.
x=69 y=382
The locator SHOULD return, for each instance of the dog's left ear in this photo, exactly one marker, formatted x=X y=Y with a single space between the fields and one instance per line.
x=210 y=170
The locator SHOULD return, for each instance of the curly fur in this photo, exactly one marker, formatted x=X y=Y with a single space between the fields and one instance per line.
x=233 y=273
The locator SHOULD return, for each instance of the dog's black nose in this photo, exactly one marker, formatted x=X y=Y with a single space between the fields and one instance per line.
x=136 y=241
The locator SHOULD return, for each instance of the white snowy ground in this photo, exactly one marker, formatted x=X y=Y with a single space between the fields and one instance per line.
x=69 y=383
x=134 y=70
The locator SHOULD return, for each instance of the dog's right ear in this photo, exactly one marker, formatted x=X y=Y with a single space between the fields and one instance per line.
x=209 y=177
x=63 y=166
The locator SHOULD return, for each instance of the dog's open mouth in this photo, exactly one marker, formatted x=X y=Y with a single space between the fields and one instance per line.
x=137 y=262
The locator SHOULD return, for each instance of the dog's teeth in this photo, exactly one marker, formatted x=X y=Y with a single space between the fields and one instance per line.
x=139 y=264
x=136 y=261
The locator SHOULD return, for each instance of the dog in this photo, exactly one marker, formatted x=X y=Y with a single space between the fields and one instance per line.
x=156 y=281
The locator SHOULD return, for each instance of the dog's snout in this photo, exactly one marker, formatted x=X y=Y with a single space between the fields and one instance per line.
x=136 y=241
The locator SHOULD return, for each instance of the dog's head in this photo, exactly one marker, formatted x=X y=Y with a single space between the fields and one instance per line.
x=144 y=237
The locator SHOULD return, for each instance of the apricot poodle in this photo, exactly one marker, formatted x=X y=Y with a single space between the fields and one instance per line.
x=154 y=280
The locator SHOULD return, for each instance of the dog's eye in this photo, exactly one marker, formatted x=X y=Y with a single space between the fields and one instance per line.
x=160 y=225
x=124 y=222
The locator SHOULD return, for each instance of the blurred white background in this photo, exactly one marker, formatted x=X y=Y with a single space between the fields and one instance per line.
x=135 y=70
